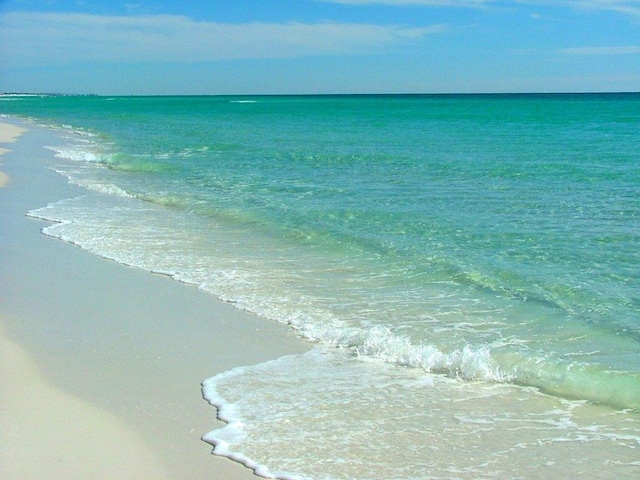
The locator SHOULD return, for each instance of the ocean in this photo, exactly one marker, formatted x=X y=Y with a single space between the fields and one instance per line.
x=466 y=268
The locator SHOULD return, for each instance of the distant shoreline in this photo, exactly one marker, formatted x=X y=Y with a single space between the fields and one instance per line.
x=297 y=95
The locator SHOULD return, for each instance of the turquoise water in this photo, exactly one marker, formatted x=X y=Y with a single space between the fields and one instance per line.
x=457 y=250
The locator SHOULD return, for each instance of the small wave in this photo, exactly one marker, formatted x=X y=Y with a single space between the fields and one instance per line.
x=107 y=188
x=189 y=152
x=78 y=131
x=75 y=153
x=134 y=163
x=470 y=362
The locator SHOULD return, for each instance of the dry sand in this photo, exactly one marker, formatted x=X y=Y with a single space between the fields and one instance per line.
x=102 y=363
x=48 y=433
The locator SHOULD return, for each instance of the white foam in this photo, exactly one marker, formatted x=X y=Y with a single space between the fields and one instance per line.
x=326 y=414
x=106 y=188
x=76 y=153
x=470 y=362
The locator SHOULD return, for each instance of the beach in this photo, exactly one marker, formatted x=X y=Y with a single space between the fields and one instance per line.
x=102 y=363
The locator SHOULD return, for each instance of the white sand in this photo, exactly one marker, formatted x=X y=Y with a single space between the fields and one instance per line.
x=8 y=134
x=102 y=363
x=48 y=433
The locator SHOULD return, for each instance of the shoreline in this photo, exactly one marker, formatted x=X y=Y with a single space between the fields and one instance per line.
x=104 y=362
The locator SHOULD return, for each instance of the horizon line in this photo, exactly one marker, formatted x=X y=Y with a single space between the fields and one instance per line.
x=389 y=94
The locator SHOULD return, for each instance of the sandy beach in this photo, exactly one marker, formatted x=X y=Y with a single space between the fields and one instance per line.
x=102 y=363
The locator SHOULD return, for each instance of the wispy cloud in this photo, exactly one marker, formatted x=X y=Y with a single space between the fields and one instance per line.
x=627 y=7
x=433 y=3
x=624 y=50
x=600 y=51
x=54 y=38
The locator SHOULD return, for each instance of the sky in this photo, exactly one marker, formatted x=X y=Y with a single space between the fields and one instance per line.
x=209 y=47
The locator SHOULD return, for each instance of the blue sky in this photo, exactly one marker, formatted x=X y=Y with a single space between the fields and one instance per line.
x=319 y=46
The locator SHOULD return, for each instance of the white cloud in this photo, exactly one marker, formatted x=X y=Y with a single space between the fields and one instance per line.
x=624 y=50
x=433 y=3
x=56 y=38
x=585 y=51
x=627 y=7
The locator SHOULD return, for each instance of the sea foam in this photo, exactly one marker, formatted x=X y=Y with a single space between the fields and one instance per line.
x=360 y=412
